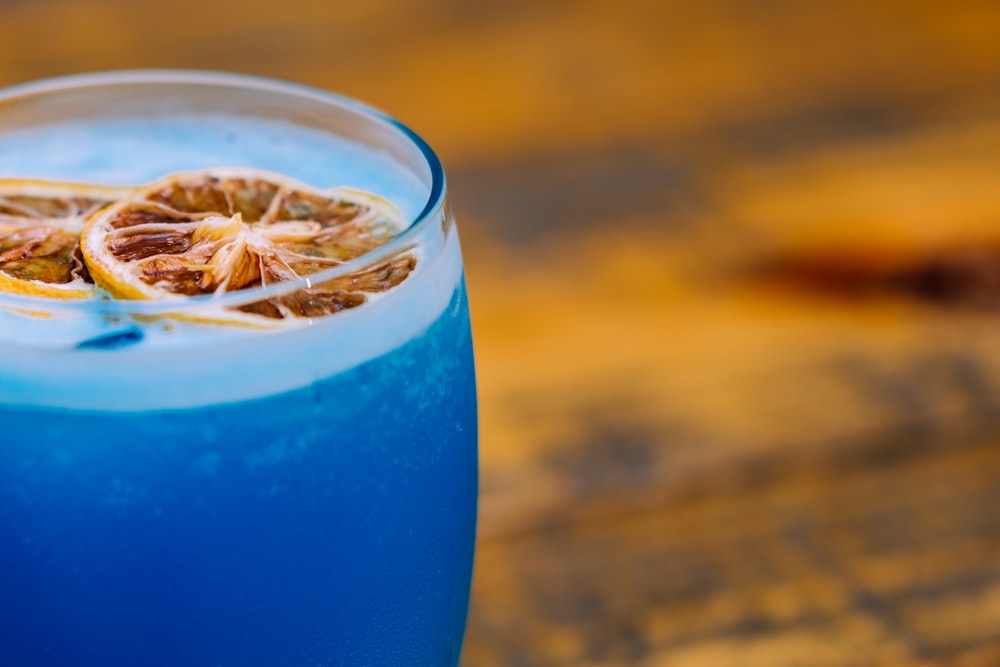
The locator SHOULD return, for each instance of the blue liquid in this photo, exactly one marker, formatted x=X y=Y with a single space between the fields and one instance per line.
x=329 y=525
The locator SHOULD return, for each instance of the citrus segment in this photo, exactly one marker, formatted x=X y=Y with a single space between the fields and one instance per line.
x=40 y=225
x=223 y=230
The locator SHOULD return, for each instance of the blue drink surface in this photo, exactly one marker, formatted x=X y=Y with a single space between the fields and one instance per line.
x=203 y=495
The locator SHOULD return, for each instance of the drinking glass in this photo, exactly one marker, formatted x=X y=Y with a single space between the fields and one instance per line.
x=181 y=493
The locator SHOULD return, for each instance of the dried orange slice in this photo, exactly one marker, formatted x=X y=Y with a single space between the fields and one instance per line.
x=222 y=230
x=40 y=225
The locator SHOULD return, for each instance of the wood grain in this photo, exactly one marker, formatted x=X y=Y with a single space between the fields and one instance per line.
x=734 y=270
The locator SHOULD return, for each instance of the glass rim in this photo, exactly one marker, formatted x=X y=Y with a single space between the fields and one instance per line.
x=432 y=211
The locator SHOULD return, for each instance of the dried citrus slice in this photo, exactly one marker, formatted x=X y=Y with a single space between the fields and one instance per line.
x=222 y=230
x=40 y=225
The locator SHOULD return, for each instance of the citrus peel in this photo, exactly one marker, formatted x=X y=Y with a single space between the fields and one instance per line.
x=216 y=231
x=40 y=224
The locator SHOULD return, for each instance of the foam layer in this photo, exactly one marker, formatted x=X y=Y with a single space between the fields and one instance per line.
x=189 y=365
x=130 y=152
x=173 y=365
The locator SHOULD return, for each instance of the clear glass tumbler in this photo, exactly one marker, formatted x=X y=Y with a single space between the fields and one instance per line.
x=180 y=492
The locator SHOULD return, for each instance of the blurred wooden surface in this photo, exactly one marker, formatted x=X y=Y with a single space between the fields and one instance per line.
x=736 y=276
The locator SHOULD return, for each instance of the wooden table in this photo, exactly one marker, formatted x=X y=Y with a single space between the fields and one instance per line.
x=735 y=271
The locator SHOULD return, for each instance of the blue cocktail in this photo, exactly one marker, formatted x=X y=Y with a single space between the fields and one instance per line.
x=180 y=491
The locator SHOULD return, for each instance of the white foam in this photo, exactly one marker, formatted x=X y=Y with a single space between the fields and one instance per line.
x=134 y=152
x=202 y=364
x=180 y=365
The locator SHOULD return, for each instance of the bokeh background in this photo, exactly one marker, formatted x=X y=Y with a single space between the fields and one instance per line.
x=734 y=269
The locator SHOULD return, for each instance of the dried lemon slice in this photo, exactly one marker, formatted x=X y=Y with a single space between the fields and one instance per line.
x=40 y=225
x=222 y=230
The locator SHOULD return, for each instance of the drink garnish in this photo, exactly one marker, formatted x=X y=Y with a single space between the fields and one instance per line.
x=40 y=225
x=205 y=232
